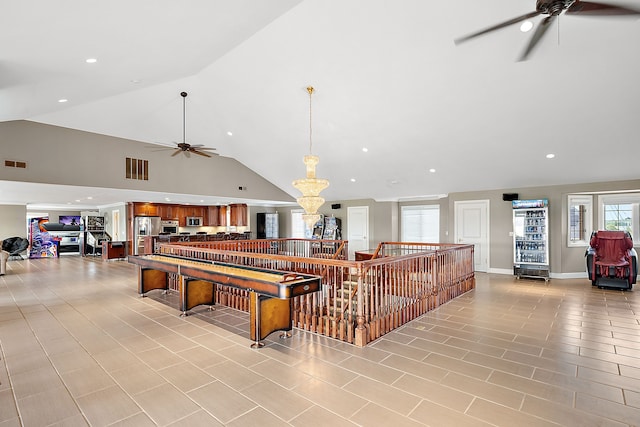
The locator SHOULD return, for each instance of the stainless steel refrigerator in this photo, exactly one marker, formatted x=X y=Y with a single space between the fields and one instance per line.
x=145 y=226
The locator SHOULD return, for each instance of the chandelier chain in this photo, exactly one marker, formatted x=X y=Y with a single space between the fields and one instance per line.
x=310 y=90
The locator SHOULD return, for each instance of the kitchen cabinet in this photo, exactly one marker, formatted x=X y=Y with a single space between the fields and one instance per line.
x=222 y=216
x=145 y=209
x=238 y=215
x=187 y=211
x=168 y=211
x=193 y=211
x=212 y=219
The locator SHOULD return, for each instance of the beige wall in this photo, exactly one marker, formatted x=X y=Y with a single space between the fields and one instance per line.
x=563 y=259
x=13 y=221
x=58 y=155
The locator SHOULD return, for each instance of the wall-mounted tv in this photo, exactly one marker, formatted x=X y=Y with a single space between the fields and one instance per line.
x=69 y=219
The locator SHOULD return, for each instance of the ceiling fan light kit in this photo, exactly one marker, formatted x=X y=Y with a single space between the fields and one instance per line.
x=553 y=8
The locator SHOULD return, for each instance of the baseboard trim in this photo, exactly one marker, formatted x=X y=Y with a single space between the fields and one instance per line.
x=552 y=275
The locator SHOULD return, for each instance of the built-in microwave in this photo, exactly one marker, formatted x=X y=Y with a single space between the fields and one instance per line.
x=170 y=227
x=194 y=221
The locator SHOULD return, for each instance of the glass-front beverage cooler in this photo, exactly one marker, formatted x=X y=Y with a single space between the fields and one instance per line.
x=531 y=238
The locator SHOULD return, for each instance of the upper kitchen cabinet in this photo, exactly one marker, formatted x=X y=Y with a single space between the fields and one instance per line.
x=168 y=211
x=145 y=209
x=190 y=211
x=197 y=211
x=238 y=215
x=212 y=217
x=222 y=216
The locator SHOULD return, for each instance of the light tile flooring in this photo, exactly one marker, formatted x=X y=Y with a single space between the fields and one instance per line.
x=80 y=347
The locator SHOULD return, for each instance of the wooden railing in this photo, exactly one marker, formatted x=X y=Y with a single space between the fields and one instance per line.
x=329 y=249
x=360 y=300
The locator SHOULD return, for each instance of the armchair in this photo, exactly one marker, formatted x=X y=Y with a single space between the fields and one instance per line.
x=15 y=246
x=611 y=260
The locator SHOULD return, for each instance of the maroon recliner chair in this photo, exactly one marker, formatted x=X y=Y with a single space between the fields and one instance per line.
x=611 y=259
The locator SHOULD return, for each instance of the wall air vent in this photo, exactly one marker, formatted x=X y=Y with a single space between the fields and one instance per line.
x=137 y=169
x=15 y=164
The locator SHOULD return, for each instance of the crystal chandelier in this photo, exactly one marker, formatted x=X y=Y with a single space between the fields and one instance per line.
x=310 y=187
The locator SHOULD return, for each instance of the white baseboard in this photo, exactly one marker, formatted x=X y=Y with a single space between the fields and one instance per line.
x=561 y=276
x=576 y=275
x=500 y=271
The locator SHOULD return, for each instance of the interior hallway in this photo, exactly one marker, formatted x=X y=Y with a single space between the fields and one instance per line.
x=80 y=347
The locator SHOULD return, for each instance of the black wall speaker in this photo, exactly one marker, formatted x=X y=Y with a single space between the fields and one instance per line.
x=508 y=197
x=336 y=206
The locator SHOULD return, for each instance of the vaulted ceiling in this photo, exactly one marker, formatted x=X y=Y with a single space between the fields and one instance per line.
x=388 y=78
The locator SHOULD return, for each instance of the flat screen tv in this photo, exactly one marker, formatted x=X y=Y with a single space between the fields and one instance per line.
x=69 y=219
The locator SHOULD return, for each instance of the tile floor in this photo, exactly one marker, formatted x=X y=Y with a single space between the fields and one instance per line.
x=80 y=347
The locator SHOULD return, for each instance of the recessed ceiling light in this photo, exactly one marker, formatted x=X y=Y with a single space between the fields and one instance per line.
x=90 y=198
x=432 y=170
x=353 y=180
x=91 y=60
x=526 y=26
x=365 y=149
x=550 y=156
x=201 y=201
x=78 y=200
x=135 y=81
x=167 y=199
x=230 y=133
x=62 y=100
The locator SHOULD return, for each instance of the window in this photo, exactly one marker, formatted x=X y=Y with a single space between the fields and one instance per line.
x=618 y=217
x=421 y=223
x=620 y=212
x=580 y=220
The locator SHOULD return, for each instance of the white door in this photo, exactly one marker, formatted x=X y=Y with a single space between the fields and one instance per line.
x=358 y=226
x=115 y=225
x=472 y=228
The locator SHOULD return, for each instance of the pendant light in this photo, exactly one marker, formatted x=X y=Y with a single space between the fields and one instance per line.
x=310 y=187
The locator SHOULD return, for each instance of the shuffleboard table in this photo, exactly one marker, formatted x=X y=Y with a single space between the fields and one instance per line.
x=270 y=291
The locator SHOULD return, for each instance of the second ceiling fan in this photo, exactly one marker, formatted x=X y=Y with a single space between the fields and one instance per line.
x=554 y=8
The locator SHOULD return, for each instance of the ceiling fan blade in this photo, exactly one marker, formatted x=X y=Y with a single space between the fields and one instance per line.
x=178 y=151
x=588 y=8
x=497 y=27
x=200 y=153
x=540 y=32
